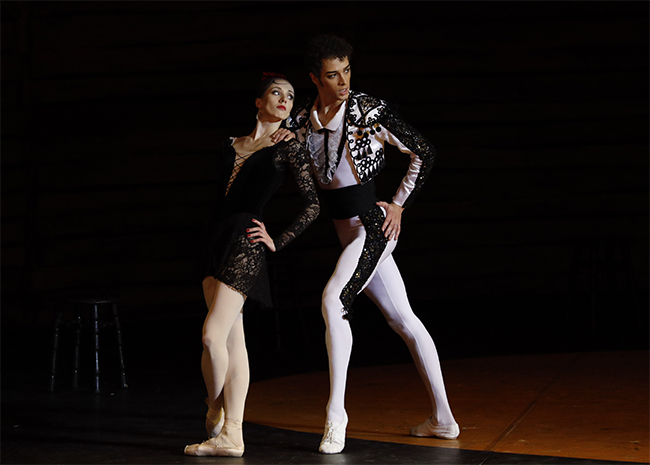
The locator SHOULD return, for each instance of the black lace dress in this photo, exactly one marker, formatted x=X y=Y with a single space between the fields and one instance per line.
x=229 y=255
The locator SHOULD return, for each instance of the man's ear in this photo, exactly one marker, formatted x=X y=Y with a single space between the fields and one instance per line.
x=315 y=80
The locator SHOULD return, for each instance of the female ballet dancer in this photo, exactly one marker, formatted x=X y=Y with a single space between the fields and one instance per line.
x=253 y=169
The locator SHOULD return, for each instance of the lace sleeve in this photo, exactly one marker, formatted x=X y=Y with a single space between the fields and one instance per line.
x=295 y=156
x=416 y=143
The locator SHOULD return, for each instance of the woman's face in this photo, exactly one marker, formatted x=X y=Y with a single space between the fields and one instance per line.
x=277 y=101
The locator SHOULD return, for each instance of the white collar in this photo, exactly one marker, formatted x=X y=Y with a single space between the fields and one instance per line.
x=334 y=123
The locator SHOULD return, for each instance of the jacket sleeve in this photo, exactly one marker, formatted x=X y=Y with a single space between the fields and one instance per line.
x=295 y=156
x=299 y=118
x=408 y=140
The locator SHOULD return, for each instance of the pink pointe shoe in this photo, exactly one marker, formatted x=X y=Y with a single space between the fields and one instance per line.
x=333 y=440
x=221 y=446
x=429 y=430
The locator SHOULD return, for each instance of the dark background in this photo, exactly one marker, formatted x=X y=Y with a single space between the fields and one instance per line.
x=113 y=113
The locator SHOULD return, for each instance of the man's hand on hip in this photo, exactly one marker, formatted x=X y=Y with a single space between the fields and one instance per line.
x=393 y=223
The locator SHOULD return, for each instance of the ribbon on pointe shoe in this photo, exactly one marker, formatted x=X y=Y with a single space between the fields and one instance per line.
x=214 y=420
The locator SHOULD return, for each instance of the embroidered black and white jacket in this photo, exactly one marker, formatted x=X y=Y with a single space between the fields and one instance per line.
x=370 y=122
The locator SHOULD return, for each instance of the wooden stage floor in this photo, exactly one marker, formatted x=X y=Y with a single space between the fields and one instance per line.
x=577 y=408
x=581 y=405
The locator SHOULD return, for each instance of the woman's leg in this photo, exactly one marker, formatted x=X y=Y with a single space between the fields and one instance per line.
x=236 y=384
x=387 y=291
x=225 y=360
x=225 y=367
x=215 y=416
x=224 y=308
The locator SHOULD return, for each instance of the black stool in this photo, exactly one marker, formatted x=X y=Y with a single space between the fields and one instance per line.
x=80 y=303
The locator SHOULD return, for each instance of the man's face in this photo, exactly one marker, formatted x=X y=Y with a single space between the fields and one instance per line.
x=334 y=81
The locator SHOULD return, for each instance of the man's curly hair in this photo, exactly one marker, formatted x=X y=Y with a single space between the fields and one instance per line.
x=325 y=47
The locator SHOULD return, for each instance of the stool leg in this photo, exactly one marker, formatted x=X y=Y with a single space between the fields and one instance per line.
x=96 y=333
x=77 y=344
x=55 y=346
x=118 y=330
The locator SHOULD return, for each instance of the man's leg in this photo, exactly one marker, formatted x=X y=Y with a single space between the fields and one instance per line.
x=387 y=290
x=338 y=335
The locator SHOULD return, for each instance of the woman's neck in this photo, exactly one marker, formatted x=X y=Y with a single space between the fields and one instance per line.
x=264 y=129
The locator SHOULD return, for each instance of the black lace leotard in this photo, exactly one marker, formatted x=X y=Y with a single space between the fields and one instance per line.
x=229 y=255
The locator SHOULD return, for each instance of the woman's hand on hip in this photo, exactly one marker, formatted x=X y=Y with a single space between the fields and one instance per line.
x=393 y=222
x=259 y=234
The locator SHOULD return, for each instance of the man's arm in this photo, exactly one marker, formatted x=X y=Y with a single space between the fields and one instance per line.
x=408 y=140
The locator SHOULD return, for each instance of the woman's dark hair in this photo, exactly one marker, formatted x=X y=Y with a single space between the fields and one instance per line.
x=267 y=80
x=325 y=47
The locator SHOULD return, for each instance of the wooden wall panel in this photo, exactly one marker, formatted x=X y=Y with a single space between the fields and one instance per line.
x=113 y=112
x=584 y=155
x=171 y=58
x=124 y=170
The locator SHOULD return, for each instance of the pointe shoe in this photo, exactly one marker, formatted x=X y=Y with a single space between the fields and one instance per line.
x=212 y=448
x=429 y=430
x=333 y=440
x=221 y=446
x=213 y=425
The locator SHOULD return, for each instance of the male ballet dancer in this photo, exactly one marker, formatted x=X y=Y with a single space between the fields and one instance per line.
x=345 y=133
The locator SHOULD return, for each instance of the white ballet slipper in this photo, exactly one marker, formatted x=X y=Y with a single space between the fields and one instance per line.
x=333 y=440
x=429 y=430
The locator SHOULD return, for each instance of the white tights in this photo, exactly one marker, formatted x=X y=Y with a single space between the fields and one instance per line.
x=386 y=289
x=225 y=360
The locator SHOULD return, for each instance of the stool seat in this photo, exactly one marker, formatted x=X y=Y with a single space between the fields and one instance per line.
x=83 y=302
x=88 y=297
